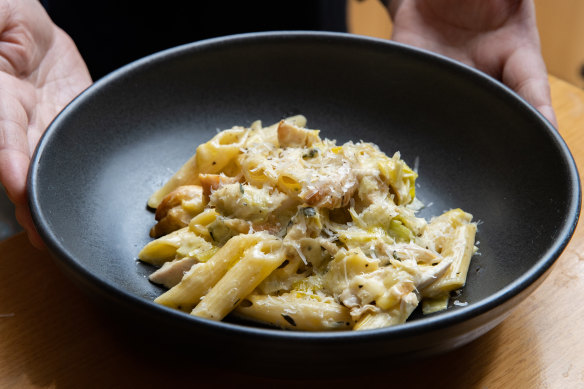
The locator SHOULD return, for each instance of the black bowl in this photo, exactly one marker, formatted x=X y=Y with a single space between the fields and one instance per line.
x=479 y=146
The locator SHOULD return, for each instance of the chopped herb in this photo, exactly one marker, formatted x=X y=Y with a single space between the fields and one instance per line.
x=236 y=301
x=289 y=320
x=241 y=188
x=211 y=233
x=311 y=154
x=308 y=212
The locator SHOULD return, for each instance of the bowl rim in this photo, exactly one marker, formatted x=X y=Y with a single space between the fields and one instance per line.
x=445 y=319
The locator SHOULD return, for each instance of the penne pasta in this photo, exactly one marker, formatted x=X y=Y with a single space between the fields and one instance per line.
x=203 y=276
x=278 y=226
x=186 y=175
x=212 y=157
x=458 y=248
x=178 y=244
x=296 y=311
x=436 y=304
x=387 y=318
x=257 y=262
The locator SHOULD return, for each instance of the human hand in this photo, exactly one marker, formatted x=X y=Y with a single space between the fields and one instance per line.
x=40 y=72
x=498 y=37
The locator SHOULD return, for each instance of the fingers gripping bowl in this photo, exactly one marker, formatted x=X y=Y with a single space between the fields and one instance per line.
x=476 y=144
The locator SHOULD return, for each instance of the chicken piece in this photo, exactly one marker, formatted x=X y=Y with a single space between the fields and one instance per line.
x=243 y=201
x=291 y=136
x=171 y=273
x=177 y=209
x=212 y=182
x=331 y=190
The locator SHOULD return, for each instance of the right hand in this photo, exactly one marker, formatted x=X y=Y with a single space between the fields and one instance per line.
x=41 y=71
x=498 y=37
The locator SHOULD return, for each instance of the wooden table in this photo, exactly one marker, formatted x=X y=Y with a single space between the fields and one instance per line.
x=51 y=336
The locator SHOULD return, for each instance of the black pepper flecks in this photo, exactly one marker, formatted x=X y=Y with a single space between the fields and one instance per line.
x=289 y=320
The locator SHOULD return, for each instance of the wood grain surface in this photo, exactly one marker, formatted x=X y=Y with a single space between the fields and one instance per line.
x=52 y=336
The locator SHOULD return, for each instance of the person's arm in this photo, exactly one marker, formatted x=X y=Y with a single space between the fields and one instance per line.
x=40 y=72
x=498 y=37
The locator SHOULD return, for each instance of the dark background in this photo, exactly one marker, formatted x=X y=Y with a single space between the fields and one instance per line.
x=110 y=34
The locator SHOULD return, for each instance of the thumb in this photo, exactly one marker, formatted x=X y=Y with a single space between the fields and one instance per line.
x=526 y=74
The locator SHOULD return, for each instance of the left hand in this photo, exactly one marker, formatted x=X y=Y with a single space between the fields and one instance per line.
x=40 y=72
x=498 y=37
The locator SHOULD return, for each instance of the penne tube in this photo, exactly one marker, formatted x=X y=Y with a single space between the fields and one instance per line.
x=254 y=173
x=289 y=184
x=164 y=249
x=297 y=311
x=187 y=174
x=460 y=250
x=436 y=304
x=397 y=315
x=199 y=223
x=202 y=276
x=374 y=320
x=283 y=277
x=178 y=244
x=240 y=280
x=212 y=157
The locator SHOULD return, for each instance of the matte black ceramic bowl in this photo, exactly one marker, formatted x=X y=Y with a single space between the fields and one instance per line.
x=479 y=147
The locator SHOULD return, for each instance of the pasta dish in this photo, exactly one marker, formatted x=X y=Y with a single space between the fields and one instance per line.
x=278 y=226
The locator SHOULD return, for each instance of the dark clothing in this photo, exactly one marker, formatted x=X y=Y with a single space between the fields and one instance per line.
x=110 y=34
